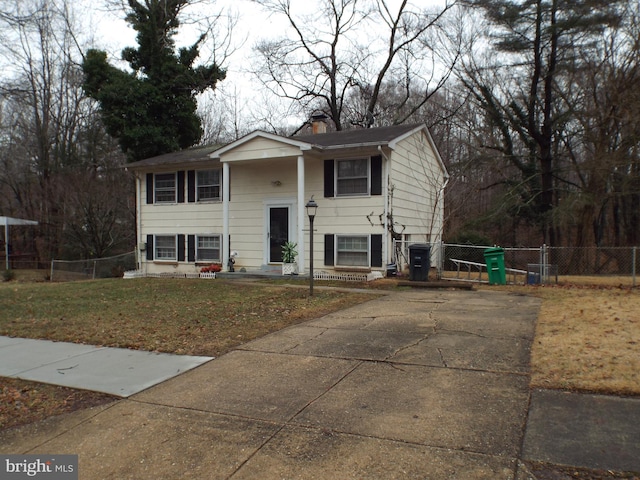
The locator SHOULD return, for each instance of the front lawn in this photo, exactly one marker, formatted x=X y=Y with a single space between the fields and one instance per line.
x=193 y=317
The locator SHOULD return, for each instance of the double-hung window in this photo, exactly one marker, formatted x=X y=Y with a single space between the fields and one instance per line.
x=353 y=251
x=352 y=177
x=165 y=187
x=165 y=247
x=208 y=248
x=208 y=185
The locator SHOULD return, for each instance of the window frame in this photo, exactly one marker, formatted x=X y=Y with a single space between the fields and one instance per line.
x=367 y=238
x=156 y=247
x=198 y=248
x=337 y=177
x=219 y=185
x=165 y=190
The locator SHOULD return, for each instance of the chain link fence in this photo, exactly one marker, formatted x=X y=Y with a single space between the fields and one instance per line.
x=107 y=267
x=532 y=264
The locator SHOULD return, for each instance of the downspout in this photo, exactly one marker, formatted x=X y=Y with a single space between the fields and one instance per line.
x=385 y=245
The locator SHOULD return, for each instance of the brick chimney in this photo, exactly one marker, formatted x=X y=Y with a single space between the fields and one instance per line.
x=319 y=123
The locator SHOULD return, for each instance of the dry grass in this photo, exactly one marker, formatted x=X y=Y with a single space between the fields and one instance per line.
x=587 y=335
x=587 y=339
x=199 y=317
x=23 y=402
x=195 y=317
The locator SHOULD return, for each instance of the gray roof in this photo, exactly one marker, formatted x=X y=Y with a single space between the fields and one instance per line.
x=190 y=155
x=359 y=136
x=343 y=138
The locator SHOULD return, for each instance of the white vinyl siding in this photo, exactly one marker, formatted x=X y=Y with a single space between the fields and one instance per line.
x=352 y=251
x=208 y=248
x=352 y=177
x=165 y=247
x=269 y=177
x=208 y=185
x=418 y=198
x=165 y=187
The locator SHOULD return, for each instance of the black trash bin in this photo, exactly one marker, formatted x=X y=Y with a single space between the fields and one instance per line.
x=419 y=262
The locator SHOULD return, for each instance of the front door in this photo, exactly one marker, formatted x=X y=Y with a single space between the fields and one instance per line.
x=278 y=232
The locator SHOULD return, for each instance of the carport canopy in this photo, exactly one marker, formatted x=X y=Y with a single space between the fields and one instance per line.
x=6 y=221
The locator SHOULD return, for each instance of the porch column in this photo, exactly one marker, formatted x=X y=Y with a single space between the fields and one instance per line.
x=225 y=216
x=301 y=215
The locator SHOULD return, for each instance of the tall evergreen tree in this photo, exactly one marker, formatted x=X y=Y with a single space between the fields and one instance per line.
x=152 y=109
x=539 y=41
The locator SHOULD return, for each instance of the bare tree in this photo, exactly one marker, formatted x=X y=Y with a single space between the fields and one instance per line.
x=346 y=48
x=523 y=91
x=48 y=126
x=602 y=139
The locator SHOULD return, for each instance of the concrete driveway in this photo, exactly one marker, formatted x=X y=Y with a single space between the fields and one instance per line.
x=419 y=384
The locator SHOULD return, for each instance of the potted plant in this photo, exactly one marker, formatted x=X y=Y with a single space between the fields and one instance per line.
x=289 y=253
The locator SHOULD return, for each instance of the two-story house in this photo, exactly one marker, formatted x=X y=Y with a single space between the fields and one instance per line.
x=199 y=206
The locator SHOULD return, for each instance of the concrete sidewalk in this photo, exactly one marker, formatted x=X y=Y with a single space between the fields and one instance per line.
x=417 y=384
x=117 y=371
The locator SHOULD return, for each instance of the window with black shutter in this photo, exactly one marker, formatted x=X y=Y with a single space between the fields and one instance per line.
x=150 y=194
x=149 y=247
x=353 y=177
x=329 y=167
x=329 y=249
x=191 y=186
x=181 y=248
x=376 y=250
x=181 y=186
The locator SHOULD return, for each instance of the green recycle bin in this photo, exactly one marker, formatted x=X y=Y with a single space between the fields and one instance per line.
x=494 y=258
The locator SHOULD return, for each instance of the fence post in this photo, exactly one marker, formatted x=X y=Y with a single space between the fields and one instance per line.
x=51 y=274
x=633 y=267
x=545 y=266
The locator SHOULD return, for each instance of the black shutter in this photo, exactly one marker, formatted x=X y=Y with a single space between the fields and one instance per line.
x=376 y=175
x=181 y=248
x=328 y=178
x=328 y=249
x=149 y=188
x=181 y=186
x=191 y=186
x=191 y=248
x=149 y=247
x=376 y=250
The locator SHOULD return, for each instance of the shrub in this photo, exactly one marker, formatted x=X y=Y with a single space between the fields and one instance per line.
x=214 y=267
x=8 y=275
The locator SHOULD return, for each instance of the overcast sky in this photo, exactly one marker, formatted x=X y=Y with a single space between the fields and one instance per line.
x=111 y=33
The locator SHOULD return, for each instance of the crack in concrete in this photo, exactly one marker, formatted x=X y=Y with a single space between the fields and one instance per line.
x=405 y=347
x=444 y=363
x=322 y=332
